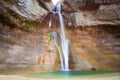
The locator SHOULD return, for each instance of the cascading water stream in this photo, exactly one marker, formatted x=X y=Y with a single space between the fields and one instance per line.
x=64 y=41
x=56 y=42
x=64 y=51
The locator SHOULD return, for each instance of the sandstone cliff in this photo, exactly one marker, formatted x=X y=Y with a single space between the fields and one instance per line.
x=29 y=9
x=92 y=26
x=91 y=12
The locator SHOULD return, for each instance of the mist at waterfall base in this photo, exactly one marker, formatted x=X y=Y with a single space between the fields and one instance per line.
x=61 y=42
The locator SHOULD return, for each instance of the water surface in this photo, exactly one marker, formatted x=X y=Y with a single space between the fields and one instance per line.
x=73 y=74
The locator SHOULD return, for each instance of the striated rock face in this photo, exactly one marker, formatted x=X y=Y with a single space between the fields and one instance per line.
x=95 y=48
x=27 y=51
x=30 y=9
x=92 y=47
x=76 y=13
x=47 y=4
x=89 y=4
x=91 y=12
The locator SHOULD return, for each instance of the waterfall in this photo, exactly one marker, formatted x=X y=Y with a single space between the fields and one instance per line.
x=63 y=48
x=56 y=37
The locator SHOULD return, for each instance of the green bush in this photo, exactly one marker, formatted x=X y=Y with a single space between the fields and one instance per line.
x=29 y=24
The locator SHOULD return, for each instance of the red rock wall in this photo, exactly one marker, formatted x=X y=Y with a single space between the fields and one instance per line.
x=98 y=47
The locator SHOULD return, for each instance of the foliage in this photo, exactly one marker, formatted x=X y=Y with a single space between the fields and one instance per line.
x=15 y=20
x=50 y=36
x=29 y=24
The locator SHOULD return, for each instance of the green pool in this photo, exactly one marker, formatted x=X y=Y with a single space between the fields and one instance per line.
x=73 y=74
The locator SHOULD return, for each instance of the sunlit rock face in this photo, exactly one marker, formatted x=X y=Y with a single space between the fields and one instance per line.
x=27 y=51
x=30 y=9
x=94 y=48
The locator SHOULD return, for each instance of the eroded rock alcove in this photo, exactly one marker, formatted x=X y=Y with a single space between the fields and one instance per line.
x=92 y=26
